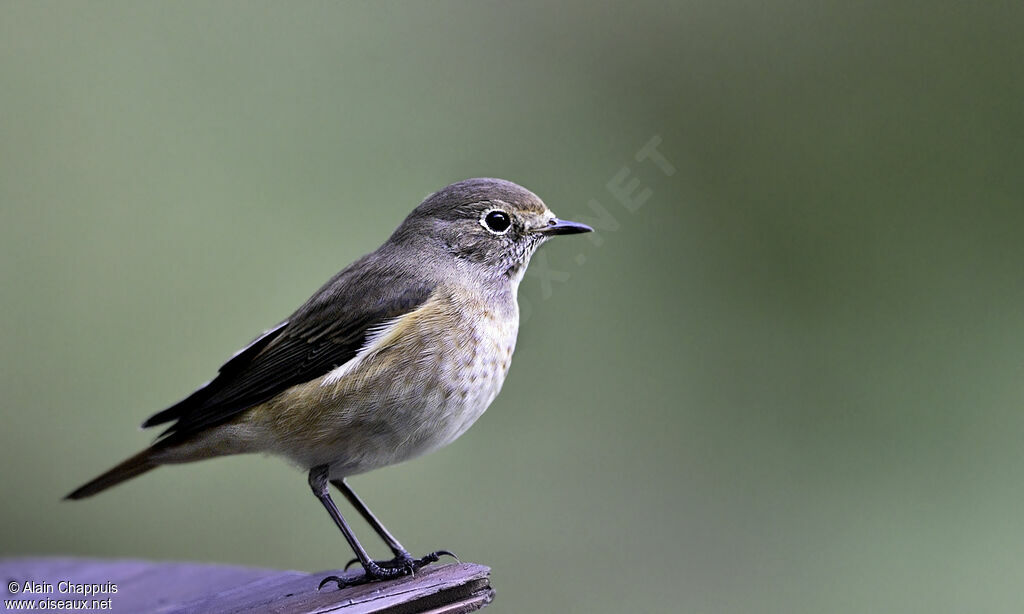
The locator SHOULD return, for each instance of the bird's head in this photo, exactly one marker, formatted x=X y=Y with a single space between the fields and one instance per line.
x=492 y=224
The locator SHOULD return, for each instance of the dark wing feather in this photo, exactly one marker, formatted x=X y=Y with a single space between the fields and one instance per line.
x=326 y=332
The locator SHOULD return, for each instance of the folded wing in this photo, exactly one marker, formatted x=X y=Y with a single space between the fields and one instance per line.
x=327 y=331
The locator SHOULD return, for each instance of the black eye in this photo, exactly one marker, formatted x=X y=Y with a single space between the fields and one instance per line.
x=497 y=221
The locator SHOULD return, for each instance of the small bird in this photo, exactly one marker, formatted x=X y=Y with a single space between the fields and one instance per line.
x=395 y=356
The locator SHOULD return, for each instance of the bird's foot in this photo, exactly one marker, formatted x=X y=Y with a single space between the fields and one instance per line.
x=401 y=565
x=405 y=560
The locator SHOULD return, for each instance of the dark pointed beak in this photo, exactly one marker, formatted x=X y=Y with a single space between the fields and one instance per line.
x=563 y=227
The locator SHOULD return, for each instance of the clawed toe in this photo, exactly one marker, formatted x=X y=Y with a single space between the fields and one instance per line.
x=440 y=553
x=433 y=557
x=399 y=561
x=372 y=573
x=338 y=579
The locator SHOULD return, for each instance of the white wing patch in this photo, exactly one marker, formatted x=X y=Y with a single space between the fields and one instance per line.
x=373 y=336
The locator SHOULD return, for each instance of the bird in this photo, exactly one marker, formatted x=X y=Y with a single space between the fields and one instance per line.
x=395 y=356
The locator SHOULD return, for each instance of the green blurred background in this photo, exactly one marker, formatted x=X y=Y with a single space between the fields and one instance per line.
x=793 y=381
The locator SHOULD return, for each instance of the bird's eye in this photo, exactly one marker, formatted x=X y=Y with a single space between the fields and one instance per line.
x=497 y=221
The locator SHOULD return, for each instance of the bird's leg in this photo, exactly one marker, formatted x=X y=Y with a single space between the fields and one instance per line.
x=318 y=482
x=402 y=557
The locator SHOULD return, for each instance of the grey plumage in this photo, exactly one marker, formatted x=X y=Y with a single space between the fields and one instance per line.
x=396 y=355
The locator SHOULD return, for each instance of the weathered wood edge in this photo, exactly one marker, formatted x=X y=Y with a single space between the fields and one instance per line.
x=186 y=588
x=453 y=588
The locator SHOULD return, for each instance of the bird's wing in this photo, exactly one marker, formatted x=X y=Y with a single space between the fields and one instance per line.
x=324 y=333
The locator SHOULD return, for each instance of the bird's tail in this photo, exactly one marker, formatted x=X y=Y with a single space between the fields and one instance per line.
x=134 y=466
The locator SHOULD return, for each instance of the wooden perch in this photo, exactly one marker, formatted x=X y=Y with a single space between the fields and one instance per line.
x=188 y=588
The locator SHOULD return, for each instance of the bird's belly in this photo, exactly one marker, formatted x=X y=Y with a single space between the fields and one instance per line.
x=410 y=391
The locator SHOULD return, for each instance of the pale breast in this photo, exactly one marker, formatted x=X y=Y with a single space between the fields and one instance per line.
x=418 y=383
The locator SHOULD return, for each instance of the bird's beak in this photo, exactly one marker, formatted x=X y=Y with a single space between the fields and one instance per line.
x=563 y=227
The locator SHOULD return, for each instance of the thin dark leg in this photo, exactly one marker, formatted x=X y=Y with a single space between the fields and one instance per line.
x=318 y=482
x=402 y=557
x=357 y=503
